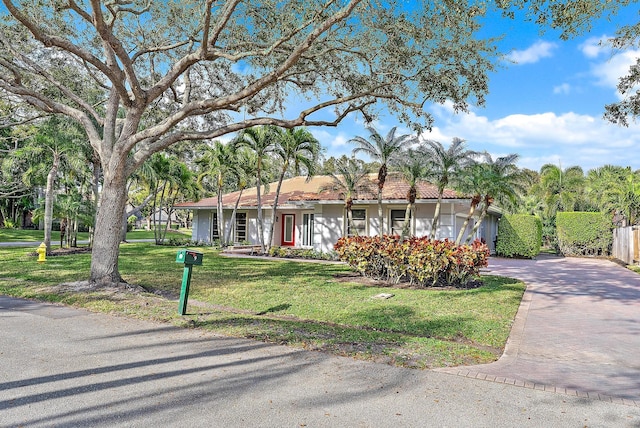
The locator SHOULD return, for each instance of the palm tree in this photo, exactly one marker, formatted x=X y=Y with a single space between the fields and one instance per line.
x=244 y=173
x=561 y=189
x=348 y=179
x=502 y=181
x=55 y=142
x=381 y=150
x=261 y=140
x=622 y=197
x=218 y=162
x=473 y=183
x=413 y=169
x=295 y=148
x=445 y=166
x=172 y=177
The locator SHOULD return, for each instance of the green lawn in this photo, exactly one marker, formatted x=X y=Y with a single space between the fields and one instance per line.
x=28 y=235
x=294 y=303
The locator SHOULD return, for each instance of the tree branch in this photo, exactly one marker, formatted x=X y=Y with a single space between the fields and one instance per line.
x=113 y=46
x=51 y=40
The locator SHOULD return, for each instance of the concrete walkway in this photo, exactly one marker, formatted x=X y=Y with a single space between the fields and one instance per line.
x=577 y=331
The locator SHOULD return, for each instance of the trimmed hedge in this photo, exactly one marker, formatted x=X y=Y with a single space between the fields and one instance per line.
x=519 y=235
x=420 y=261
x=584 y=233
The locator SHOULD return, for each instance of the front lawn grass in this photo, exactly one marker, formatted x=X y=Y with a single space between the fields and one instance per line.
x=31 y=235
x=294 y=303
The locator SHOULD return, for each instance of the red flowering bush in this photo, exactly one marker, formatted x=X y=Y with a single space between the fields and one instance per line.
x=420 y=261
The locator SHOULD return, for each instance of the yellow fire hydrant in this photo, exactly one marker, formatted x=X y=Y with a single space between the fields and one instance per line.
x=42 y=253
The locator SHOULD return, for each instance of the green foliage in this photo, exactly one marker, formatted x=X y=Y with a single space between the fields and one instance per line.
x=9 y=224
x=519 y=235
x=299 y=253
x=420 y=261
x=584 y=233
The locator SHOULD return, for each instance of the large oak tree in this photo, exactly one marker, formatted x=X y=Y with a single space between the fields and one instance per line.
x=140 y=76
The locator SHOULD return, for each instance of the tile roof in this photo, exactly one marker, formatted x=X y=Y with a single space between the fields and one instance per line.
x=298 y=190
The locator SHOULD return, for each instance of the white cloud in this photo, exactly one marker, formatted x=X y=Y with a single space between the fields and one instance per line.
x=533 y=53
x=609 y=72
x=564 y=89
x=609 y=64
x=594 y=46
x=569 y=139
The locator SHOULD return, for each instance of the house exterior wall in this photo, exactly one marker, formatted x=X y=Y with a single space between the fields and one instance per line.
x=424 y=216
x=330 y=223
x=328 y=227
x=201 y=229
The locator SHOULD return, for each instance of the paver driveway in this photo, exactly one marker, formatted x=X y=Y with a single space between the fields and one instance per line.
x=577 y=329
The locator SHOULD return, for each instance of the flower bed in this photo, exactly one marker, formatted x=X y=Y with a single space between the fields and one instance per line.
x=419 y=261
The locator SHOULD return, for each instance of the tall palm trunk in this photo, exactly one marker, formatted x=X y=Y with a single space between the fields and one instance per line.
x=488 y=200
x=48 y=201
x=95 y=190
x=382 y=178
x=275 y=206
x=472 y=210
x=348 y=204
x=220 y=212
x=227 y=237
x=259 y=200
x=411 y=199
x=436 y=218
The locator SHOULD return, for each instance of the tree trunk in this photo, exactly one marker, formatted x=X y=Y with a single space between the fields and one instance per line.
x=227 y=236
x=350 y=219
x=407 y=221
x=483 y=213
x=220 y=211
x=436 y=218
x=106 y=246
x=48 y=202
x=95 y=188
x=380 y=219
x=220 y=222
x=260 y=222
x=274 y=210
x=472 y=211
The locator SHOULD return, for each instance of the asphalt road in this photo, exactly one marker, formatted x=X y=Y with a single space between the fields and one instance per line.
x=64 y=367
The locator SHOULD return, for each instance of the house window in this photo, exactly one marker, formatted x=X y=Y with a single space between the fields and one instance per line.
x=359 y=218
x=241 y=227
x=397 y=221
x=214 y=227
x=307 y=229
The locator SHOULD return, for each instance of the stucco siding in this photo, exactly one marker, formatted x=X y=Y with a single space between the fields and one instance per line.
x=329 y=226
x=201 y=226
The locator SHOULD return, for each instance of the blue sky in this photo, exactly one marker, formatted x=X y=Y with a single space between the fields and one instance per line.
x=545 y=104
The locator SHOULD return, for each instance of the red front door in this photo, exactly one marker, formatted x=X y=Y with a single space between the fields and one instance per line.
x=288 y=230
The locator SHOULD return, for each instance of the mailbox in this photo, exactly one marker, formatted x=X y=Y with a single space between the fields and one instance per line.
x=189 y=257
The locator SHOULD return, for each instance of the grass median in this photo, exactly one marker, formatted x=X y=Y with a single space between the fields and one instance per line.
x=308 y=305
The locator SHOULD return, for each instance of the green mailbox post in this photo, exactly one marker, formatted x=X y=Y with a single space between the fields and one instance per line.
x=189 y=258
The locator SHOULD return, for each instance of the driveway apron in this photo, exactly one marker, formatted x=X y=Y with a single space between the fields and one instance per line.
x=577 y=330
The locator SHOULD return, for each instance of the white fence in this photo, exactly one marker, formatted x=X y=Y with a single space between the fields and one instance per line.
x=626 y=244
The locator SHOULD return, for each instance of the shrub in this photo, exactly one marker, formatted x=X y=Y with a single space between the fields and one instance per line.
x=519 y=235
x=300 y=253
x=420 y=261
x=584 y=233
x=9 y=224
